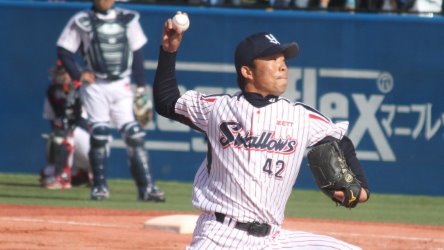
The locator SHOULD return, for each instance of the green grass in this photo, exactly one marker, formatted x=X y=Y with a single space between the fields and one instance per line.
x=24 y=190
x=380 y=208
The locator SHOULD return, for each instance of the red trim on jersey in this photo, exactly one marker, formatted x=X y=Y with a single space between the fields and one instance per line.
x=313 y=116
x=207 y=99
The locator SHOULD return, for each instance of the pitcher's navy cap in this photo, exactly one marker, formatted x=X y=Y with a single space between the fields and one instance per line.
x=261 y=45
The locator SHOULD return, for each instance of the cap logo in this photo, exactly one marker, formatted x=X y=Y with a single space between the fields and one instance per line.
x=272 y=39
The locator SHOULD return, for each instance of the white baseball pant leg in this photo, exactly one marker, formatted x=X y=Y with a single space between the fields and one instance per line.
x=211 y=234
x=109 y=102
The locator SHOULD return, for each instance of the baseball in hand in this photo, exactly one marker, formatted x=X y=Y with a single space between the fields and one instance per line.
x=181 y=22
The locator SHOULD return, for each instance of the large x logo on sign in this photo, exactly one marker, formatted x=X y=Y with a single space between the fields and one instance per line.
x=367 y=122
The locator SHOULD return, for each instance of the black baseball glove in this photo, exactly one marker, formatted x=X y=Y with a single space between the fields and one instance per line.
x=330 y=170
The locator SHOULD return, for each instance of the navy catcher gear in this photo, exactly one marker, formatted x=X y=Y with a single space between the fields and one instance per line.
x=98 y=153
x=109 y=54
x=59 y=150
x=138 y=163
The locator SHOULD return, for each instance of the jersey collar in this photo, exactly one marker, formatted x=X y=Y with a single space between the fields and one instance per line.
x=258 y=100
x=105 y=13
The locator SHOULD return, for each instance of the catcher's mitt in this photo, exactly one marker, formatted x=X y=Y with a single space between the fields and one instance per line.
x=330 y=170
x=143 y=107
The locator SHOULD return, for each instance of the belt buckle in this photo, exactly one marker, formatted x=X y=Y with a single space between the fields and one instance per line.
x=259 y=229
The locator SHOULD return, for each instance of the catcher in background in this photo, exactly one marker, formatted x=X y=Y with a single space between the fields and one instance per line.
x=68 y=143
x=256 y=142
x=111 y=41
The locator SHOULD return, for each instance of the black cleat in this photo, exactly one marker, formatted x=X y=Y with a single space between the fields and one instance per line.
x=155 y=195
x=99 y=193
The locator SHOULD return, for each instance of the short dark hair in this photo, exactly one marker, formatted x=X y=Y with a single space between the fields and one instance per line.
x=241 y=81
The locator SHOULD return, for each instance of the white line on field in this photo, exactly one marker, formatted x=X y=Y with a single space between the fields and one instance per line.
x=74 y=223
x=386 y=236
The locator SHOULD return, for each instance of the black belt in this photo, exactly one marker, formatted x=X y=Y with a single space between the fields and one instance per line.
x=252 y=228
x=109 y=78
x=113 y=78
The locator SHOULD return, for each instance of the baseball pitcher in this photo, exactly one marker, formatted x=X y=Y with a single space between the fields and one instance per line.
x=256 y=143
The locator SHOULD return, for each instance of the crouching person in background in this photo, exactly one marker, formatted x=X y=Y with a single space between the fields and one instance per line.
x=68 y=143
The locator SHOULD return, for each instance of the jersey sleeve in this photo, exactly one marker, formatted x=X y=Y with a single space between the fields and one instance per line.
x=70 y=38
x=136 y=36
x=321 y=127
x=196 y=107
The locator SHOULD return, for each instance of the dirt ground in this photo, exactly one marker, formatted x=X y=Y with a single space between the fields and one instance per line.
x=31 y=227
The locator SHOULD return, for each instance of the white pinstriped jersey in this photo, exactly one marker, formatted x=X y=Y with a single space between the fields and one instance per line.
x=255 y=153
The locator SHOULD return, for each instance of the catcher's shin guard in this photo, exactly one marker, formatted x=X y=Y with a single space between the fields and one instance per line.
x=138 y=163
x=60 y=153
x=98 y=153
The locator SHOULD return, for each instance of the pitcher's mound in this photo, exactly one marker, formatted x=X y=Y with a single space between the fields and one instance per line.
x=179 y=223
